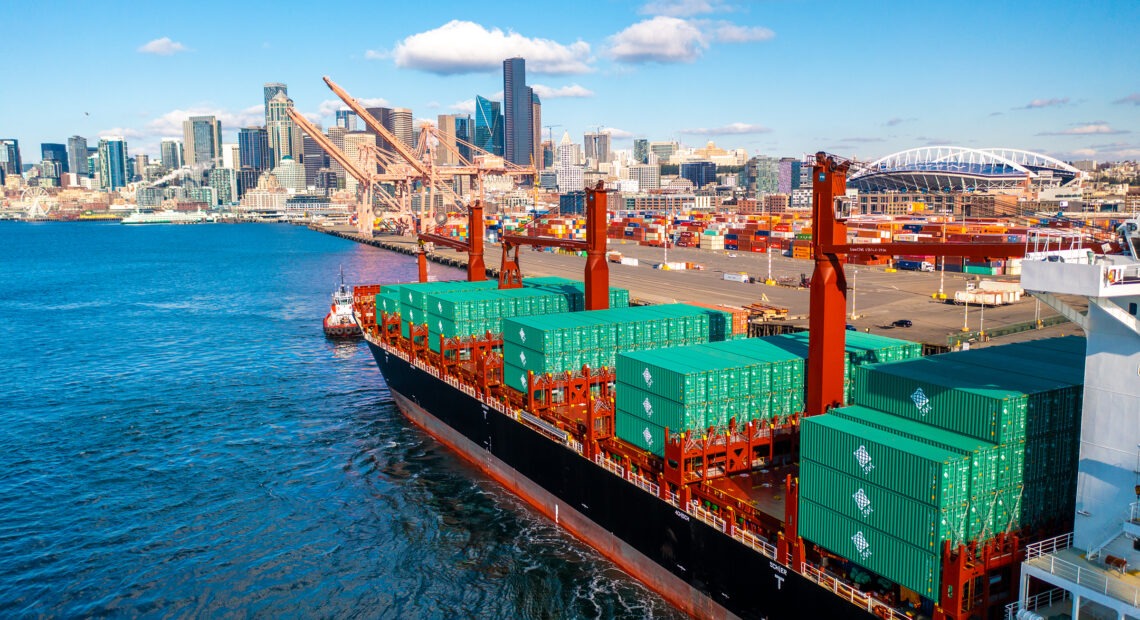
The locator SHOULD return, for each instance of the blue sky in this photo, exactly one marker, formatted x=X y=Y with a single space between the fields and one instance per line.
x=775 y=77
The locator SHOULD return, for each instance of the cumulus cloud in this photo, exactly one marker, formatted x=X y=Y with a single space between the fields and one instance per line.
x=467 y=47
x=121 y=132
x=376 y=55
x=170 y=124
x=660 y=39
x=726 y=32
x=1044 y=103
x=682 y=8
x=466 y=106
x=1134 y=99
x=329 y=107
x=163 y=47
x=618 y=134
x=731 y=129
x=547 y=92
x=1096 y=128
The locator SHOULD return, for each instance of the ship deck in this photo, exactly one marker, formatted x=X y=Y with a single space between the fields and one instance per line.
x=762 y=489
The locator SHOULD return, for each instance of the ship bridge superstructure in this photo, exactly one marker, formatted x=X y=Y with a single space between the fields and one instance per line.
x=957 y=168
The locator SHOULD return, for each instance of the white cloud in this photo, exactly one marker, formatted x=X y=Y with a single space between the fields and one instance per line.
x=1134 y=99
x=1090 y=129
x=661 y=39
x=466 y=106
x=1045 y=103
x=730 y=129
x=682 y=8
x=467 y=47
x=574 y=90
x=121 y=132
x=163 y=47
x=329 y=107
x=725 y=32
x=170 y=124
x=619 y=134
x=375 y=55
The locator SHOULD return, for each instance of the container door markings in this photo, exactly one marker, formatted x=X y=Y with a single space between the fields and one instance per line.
x=522 y=357
x=648 y=436
x=522 y=334
x=648 y=377
x=863 y=502
x=648 y=406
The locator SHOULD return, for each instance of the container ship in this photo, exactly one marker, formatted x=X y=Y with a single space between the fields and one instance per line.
x=834 y=474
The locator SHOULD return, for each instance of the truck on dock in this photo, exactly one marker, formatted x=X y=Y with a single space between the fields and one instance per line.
x=914 y=265
x=989 y=293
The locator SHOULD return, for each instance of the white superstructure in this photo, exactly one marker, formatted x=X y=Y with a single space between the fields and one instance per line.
x=168 y=217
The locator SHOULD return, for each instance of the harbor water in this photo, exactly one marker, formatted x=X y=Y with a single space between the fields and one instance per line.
x=180 y=440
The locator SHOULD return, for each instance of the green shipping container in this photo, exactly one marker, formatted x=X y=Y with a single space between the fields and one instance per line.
x=641 y=433
x=872 y=549
x=920 y=471
x=914 y=522
x=661 y=411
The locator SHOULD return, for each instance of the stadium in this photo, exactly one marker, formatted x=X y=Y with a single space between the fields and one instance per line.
x=962 y=169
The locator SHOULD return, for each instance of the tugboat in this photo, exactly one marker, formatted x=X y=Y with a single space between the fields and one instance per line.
x=339 y=322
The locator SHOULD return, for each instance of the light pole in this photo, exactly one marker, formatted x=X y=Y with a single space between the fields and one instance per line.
x=942 y=277
x=966 y=317
x=982 y=322
x=769 y=280
x=854 y=278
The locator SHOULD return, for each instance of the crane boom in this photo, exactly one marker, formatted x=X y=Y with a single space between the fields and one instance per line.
x=375 y=125
x=329 y=147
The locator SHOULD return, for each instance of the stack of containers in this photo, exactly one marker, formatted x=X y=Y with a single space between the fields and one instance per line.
x=575 y=291
x=862 y=348
x=1013 y=412
x=414 y=298
x=566 y=342
x=702 y=386
x=472 y=313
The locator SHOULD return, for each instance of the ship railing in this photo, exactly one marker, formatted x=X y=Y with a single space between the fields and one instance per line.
x=645 y=485
x=1090 y=578
x=610 y=466
x=672 y=498
x=751 y=540
x=707 y=516
x=1043 y=600
x=849 y=594
x=574 y=445
x=1049 y=545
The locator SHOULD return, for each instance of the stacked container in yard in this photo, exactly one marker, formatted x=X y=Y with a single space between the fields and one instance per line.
x=862 y=348
x=697 y=387
x=575 y=291
x=566 y=342
x=1012 y=412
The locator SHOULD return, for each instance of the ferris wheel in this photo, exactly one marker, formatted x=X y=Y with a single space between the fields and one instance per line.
x=35 y=200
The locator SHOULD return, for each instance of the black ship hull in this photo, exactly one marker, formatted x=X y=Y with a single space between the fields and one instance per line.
x=699 y=569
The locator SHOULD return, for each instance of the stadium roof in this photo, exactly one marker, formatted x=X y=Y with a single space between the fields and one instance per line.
x=957 y=168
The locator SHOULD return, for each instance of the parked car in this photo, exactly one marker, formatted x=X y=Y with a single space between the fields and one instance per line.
x=851 y=328
x=902 y=323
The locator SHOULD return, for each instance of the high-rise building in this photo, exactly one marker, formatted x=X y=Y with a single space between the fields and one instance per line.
x=402 y=126
x=246 y=180
x=518 y=130
x=352 y=143
x=789 y=175
x=313 y=158
x=766 y=171
x=384 y=117
x=596 y=147
x=10 y=161
x=290 y=174
x=77 y=155
x=641 y=151
x=270 y=90
x=253 y=148
x=488 y=126
x=225 y=184
x=55 y=152
x=346 y=119
x=663 y=150
x=647 y=177
x=336 y=136
x=446 y=152
x=112 y=163
x=571 y=175
x=283 y=134
x=172 y=155
x=202 y=136
x=536 y=129
x=701 y=173
x=464 y=135
x=139 y=169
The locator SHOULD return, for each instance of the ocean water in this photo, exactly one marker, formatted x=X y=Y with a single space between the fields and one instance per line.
x=179 y=440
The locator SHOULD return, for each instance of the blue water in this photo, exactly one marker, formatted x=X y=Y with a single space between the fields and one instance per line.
x=179 y=440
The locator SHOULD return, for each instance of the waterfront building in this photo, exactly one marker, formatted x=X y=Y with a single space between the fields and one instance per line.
x=202 y=136
x=488 y=126
x=172 y=154
x=290 y=174
x=346 y=119
x=518 y=130
x=284 y=137
x=77 y=155
x=138 y=169
x=112 y=163
x=700 y=173
x=270 y=90
x=149 y=197
x=225 y=184
x=10 y=162
x=402 y=126
x=247 y=179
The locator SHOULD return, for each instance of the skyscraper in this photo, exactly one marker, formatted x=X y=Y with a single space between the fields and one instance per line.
x=10 y=161
x=518 y=130
x=384 y=117
x=202 y=136
x=55 y=152
x=346 y=119
x=641 y=151
x=77 y=155
x=253 y=148
x=283 y=134
x=701 y=173
x=270 y=90
x=336 y=136
x=463 y=137
x=597 y=146
x=536 y=129
x=112 y=163
x=402 y=126
x=571 y=176
x=447 y=151
x=173 y=157
x=488 y=126
x=313 y=158
x=352 y=142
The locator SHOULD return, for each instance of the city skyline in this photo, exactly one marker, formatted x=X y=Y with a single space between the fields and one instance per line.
x=779 y=78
